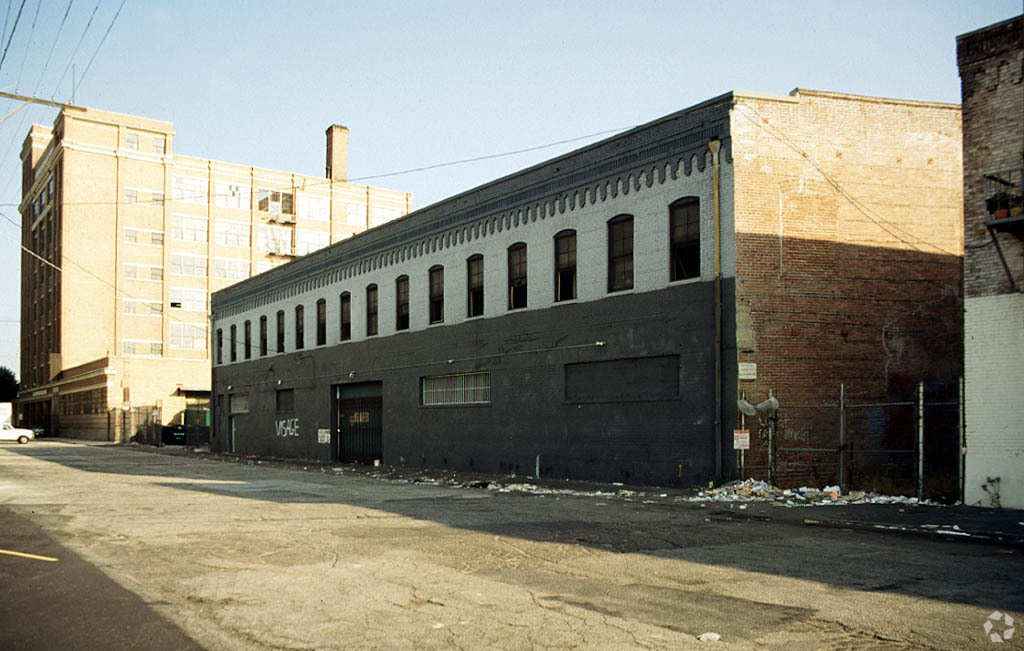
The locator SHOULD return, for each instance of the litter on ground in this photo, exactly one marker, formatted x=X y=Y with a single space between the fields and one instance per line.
x=758 y=490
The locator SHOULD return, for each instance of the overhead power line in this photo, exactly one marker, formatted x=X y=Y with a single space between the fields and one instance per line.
x=11 y=37
x=102 y=40
x=53 y=47
x=75 y=53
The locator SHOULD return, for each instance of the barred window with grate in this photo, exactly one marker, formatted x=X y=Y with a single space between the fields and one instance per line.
x=456 y=389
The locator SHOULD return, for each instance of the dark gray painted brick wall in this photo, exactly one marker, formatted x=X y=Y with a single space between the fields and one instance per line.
x=663 y=441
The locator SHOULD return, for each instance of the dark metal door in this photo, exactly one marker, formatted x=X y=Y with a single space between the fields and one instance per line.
x=359 y=431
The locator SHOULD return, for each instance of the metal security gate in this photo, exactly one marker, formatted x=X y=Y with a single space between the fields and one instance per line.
x=359 y=423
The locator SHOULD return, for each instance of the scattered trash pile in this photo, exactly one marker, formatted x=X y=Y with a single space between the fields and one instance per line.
x=757 y=490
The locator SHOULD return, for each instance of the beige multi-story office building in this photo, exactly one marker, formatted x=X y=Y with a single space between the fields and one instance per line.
x=126 y=240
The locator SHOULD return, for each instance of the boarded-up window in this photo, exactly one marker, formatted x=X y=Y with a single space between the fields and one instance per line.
x=239 y=403
x=623 y=380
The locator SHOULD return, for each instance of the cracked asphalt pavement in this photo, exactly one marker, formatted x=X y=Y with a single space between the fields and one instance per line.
x=179 y=551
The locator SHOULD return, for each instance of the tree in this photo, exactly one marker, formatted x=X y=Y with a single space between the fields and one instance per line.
x=8 y=385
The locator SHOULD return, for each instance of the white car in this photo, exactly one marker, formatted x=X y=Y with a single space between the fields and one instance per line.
x=10 y=433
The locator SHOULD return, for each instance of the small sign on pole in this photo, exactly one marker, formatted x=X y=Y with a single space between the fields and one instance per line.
x=741 y=439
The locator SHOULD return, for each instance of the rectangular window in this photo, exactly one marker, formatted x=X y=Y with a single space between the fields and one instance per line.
x=314 y=208
x=238 y=403
x=230 y=269
x=158 y=144
x=300 y=327
x=131 y=235
x=131 y=196
x=156 y=237
x=402 y=303
x=684 y=220
x=263 y=336
x=620 y=253
x=232 y=195
x=231 y=233
x=189 y=189
x=128 y=347
x=190 y=336
x=220 y=346
x=130 y=271
x=232 y=344
x=346 y=316
x=184 y=264
x=156 y=273
x=356 y=214
x=437 y=294
x=247 y=345
x=131 y=141
x=623 y=380
x=275 y=239
x=309 y=241
x=275 y=202
x=285 y=400
x=188 y=299
x=188 y=228
x=321 y=322
x=475 y=289
x=371 y=310
x=565 y=266
x=157 y=198
x=280 y=331
x=382 y=215
x=156 y=349
x=456 y=389
x=517 y=276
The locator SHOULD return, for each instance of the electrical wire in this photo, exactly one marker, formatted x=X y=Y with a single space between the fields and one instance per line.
x=31 y=33
x=53 y=46
x=324 y=182
x=892 y=229
x=102 y=40
x=75 y=53
x=17 y=18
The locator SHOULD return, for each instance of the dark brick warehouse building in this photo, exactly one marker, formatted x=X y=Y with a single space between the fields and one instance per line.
x=588 y=317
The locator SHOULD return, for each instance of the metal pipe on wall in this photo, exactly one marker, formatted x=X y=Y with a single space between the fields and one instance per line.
x=714 y=146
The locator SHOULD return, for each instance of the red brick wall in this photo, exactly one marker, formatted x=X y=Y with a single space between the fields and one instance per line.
x=848 y=220
x=991 y=64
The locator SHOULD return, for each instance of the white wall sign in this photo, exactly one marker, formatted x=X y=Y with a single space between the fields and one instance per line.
x=747 y=370
x=323 y=436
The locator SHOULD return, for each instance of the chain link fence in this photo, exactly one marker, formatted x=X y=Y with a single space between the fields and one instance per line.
x=910 y=447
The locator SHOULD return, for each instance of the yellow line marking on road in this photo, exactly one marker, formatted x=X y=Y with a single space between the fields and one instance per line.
x=32 y=556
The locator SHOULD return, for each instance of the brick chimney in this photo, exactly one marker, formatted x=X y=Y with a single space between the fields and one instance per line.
x=337 y=153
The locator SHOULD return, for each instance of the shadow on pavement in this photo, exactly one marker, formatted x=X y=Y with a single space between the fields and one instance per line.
x=757 y=538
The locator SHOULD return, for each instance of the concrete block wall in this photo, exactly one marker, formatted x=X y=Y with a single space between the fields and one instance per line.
x=994 y=350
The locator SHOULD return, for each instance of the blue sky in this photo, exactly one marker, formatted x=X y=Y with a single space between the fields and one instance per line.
x=421 y=83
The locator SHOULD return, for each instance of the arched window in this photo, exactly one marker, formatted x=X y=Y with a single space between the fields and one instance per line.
x=565 y=265
x=684 y=238
x=436 y=294
x=620 y=253
x=517 y=276
x=247 y=349
x=345 y=305
x=475 y=285
x=280 y=331
x=300 y=327
x=263 y=336
x=321 y=322
x=402 y=303
x=371 y=310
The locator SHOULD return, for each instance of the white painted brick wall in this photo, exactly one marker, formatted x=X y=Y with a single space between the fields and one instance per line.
x=648 y=205
x=994 y=393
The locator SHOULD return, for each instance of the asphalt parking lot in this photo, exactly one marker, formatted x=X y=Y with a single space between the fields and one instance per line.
x=182 y=549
